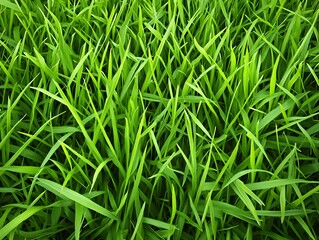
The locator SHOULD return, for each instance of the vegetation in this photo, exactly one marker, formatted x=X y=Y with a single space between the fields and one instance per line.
x=151 y=119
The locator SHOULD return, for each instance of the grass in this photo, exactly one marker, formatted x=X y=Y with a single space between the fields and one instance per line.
x=159 y=119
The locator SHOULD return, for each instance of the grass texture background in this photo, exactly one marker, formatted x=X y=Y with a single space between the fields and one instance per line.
x=151 y=119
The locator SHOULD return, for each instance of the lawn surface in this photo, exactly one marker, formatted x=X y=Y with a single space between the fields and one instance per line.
x=151 y=119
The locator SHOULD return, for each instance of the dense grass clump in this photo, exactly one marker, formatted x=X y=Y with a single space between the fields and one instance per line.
x=151 y=119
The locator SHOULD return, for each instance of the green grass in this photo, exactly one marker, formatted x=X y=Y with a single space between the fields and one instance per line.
x=150 y=119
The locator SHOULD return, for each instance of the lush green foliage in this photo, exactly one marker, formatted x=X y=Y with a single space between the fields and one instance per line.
x=141 y=119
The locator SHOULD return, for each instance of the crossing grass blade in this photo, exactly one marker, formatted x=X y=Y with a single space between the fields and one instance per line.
x=10 y=5
x=67 y=193
x=14 y=223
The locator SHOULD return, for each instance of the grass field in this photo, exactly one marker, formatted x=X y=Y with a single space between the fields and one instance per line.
x=151 y=119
